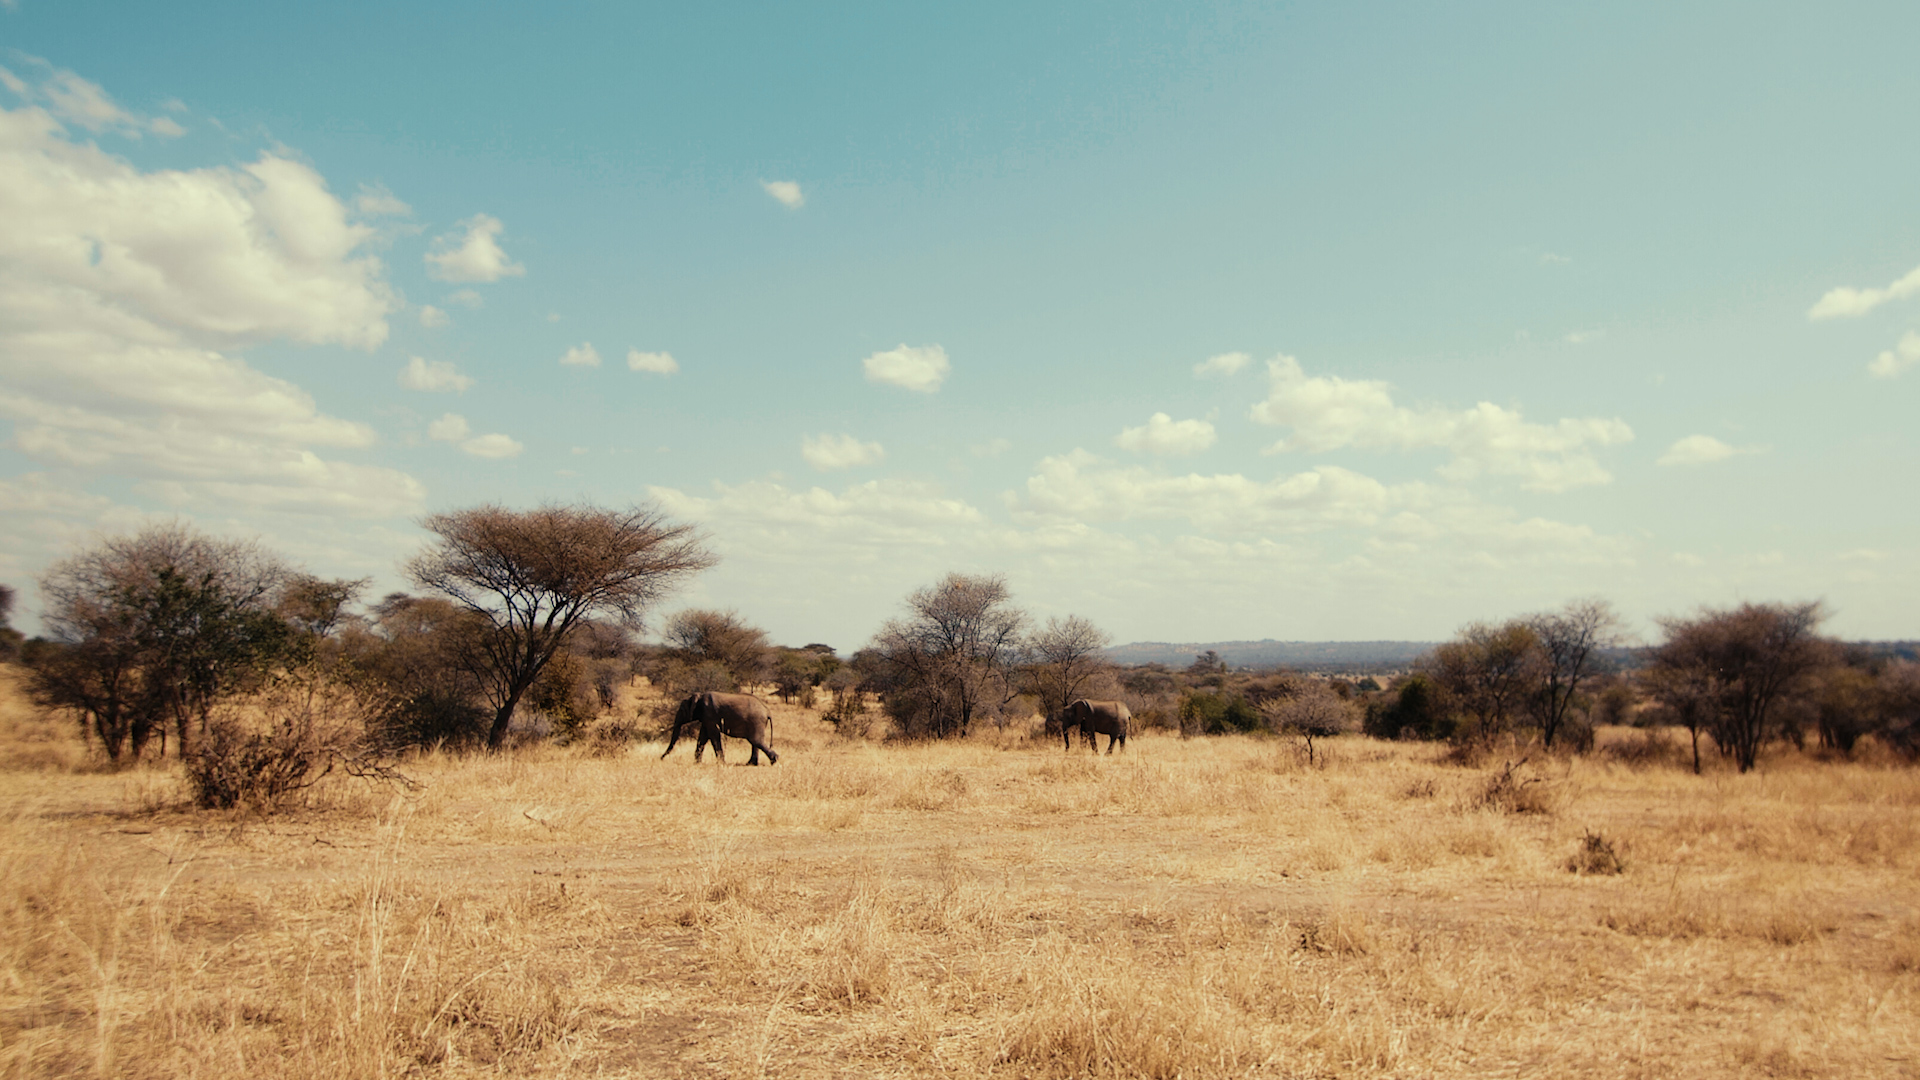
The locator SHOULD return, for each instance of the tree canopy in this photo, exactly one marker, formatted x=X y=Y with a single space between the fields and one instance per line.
x=535 y=574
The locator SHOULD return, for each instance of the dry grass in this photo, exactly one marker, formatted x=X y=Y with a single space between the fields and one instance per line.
x=1207 y=908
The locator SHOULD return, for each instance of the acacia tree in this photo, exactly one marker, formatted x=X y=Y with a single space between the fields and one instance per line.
x=1734 y=667
x=1061 y=657
x=535 y=574
x=1568 y=640
x=951 y=659
x=698 y=636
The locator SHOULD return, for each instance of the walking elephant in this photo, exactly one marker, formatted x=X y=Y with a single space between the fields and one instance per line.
x=739 y=715
x=1109 y=718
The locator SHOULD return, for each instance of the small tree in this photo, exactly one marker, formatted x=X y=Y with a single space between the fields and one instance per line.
x=951 y=659
x=1311 y=711
x=1062 y=657
x=158 y=626
x=1568 y=640
x=698 y=636
x=1488 y=671
x=534 y=575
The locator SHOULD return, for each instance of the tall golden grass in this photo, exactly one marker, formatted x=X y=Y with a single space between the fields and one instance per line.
x=991 y=907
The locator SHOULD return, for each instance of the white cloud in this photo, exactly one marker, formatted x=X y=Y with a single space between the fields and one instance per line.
x=451 y=427
x=122 y=291
x=377 y=201
x=432 y=317
x=658 y=363
x=1701 y=450
x=467 y=298
x=1548 y=258
x=1583 y=337
x=786 y=192
x=1165 y=435
x=1897 y=359
x=1327 y=412
x=435 y=376
x=581 y=355
x=492 y=446
x=922 y=367
x=78 y=101
x=829 y=452
x=1222 y=366
x=1845 y=302
x=475 y=255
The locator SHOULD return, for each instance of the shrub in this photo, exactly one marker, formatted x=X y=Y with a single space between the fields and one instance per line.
x=261 y=749
x=1595 y=855
x=1417 y=711
x=1511 y=793
x=1207 y=712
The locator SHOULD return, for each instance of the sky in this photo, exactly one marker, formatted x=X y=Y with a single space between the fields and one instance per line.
x=1203 y=321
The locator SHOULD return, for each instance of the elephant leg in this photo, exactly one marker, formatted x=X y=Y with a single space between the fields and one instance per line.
x=1110 y=738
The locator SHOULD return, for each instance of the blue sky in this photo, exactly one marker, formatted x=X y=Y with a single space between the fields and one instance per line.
x=1203 y=321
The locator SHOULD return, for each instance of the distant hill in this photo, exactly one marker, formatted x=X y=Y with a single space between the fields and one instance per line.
x=1354 y=656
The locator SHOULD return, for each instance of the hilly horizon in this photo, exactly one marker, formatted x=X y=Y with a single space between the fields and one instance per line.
x=1340 y=655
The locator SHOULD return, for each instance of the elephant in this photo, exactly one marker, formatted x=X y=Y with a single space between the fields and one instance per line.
x=1093 y=718
x=742 y=716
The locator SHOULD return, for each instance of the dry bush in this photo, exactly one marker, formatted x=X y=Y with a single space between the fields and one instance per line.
x=1595 y=855
x=260 y=750
x=1644 y=748
x=1512 y=792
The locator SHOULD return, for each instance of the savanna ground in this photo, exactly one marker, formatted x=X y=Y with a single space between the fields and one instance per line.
x=995 y=907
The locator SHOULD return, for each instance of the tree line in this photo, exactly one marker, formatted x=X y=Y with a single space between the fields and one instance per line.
x=532 y=618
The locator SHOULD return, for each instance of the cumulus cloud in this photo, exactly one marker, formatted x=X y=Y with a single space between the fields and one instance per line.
x=472 y=255
x=433 y=376
x=843 y=451
x=1897 y=359
x=1845 y=302
x=1327 y=412
x=911 y=367
x=581 y=355
x=1222 y=366
x=1162 y=434
x=786 y=192
x=1153 y=554
x=432 y=317
x=1583 y=337
x=451 y=427
x=122 y=293
x=657 y=363
x=1701 y=450
x=492 y=446
x=466 y=298
x=75 y=100
x=377 y=201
